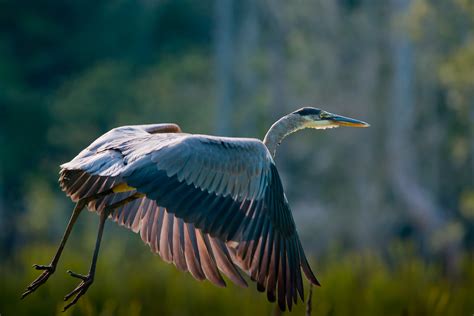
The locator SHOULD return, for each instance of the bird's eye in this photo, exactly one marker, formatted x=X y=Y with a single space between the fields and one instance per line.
x=324 y=115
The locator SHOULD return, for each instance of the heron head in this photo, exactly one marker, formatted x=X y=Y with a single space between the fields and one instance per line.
x=319 y=119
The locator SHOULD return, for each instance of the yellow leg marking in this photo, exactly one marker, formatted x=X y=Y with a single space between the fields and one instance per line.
x=122 y=187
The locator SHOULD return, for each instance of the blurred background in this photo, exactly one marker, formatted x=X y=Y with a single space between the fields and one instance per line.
x=386 y=214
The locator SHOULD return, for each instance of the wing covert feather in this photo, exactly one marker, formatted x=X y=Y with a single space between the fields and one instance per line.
x=211 y=203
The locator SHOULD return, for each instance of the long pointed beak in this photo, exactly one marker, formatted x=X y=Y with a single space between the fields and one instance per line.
x=346 y=121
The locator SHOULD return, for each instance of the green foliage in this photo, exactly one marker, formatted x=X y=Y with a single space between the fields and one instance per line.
x=71 y=70
x=115 y=93
x=132 y=281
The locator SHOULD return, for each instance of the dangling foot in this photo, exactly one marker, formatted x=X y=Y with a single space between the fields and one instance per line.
x=80 y=289
x=48 y=270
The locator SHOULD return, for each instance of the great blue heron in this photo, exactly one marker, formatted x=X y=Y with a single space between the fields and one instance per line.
x=203 y=203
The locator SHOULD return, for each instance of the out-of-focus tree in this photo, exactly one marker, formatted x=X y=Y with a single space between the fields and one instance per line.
x=72 y=70
x=247 y=70
x=422 y=205
x=443 y=35
x=224 y=65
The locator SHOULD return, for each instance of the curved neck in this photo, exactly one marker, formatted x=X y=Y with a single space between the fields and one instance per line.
x=280 y=129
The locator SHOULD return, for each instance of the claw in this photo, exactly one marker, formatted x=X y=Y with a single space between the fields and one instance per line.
x=43 y=267
x=41 y=279
x=80 y=290
x=77 y=275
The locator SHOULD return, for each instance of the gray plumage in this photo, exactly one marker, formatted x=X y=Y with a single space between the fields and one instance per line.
x=206 y=204
x=212 y=203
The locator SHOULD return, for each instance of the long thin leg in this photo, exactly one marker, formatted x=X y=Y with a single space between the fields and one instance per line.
x=49 y=269
x=88 y=279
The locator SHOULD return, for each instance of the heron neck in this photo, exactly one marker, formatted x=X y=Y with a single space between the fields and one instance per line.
x=279 y=130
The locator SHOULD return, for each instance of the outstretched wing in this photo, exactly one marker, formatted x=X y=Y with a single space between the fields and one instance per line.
x=227 y=188
x=175 y=241
x=187 y=247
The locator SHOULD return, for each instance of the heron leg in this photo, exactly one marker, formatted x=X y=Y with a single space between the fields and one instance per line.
x=87 y=280
x=49 y=269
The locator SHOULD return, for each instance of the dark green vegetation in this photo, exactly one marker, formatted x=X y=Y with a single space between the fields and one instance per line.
x=71 y=70
x=132 y=281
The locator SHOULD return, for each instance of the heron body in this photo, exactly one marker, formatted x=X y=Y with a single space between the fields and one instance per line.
x=207 y=204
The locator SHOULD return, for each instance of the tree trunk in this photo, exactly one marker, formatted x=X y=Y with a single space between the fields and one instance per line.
x=472 y=138
x=2 y=213
x=278 y=60
x=224 y=58
x=248 y=50
x=422 y=207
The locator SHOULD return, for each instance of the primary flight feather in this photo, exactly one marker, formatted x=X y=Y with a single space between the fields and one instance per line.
x=206 y=204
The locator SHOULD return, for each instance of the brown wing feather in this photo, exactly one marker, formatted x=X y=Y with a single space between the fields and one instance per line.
x=176 y=242
x=210 y=204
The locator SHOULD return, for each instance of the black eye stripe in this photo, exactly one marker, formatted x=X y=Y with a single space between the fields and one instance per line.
x=308 y=111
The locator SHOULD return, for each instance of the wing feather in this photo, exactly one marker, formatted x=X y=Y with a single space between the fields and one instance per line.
x=273 y=270
x=208 y=264
x=224 y=261
x=282 y=290
x=165 y=240
x=192 y=253
x=178 y=245
x=210 y=203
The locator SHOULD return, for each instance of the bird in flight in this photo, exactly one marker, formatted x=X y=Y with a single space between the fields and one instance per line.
x=207 y=204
